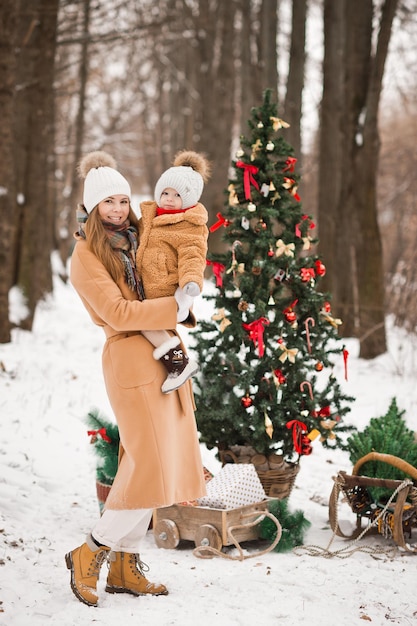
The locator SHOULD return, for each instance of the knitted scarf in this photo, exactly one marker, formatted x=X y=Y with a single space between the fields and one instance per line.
x=160 y=211
x=123 y=239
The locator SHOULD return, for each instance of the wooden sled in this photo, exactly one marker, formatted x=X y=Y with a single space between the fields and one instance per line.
x=394 y=519
x=210 y=529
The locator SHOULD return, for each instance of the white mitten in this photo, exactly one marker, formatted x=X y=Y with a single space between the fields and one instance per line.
x=184 y=302
x=192 y=289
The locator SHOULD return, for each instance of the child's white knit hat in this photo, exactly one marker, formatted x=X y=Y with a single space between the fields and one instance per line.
x=101 y=179
x=187 y=177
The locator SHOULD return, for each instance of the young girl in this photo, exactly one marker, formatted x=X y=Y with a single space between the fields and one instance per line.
x=159 y=459
x=173 y=248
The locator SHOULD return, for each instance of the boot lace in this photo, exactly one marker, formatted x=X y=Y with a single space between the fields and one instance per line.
x=97 y=562
x=137 y=563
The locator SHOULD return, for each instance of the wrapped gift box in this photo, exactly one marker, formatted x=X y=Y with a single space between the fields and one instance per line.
x=234 y=486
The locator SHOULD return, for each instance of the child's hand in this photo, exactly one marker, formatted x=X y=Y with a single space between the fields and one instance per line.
x=192 y=289
x=184 y=302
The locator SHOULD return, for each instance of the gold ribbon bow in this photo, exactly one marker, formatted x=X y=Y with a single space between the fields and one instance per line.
x=221 y=317
x=277 y=123
x=287 y=353
x=334 y=321
x=282 y=248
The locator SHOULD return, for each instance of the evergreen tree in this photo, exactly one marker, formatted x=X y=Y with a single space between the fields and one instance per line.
x=105 y=439
x=267 y=354
x=387 y=434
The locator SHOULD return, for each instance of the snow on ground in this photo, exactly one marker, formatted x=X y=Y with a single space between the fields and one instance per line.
x=49 y=380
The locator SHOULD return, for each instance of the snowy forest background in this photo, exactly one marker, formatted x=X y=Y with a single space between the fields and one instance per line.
x=145 y=79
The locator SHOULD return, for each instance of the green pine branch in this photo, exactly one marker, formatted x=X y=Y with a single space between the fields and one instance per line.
x=106 y=451
x=294 y=526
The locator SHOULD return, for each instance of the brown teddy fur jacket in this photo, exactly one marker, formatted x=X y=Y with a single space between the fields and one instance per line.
x=172 y=249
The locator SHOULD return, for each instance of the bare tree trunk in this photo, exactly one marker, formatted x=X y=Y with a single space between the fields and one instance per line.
x=368 y=246
x=216 y=114
x=258 y=56
x=268 y=56
x=331 y=139
x=295 y=81
x=348 y=169
x=247 y=82
x=67 y=219
x=8 y=24
x=34 y=141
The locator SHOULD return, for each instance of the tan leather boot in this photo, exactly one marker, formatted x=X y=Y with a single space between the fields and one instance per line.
x=85 y=563
x=126 y=575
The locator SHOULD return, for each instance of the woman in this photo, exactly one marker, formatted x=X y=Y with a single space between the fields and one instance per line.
x=159 y=459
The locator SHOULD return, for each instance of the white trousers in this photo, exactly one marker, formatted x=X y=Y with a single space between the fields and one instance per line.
x=122 y=531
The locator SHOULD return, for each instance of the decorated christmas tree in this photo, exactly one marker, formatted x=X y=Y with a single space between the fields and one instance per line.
x=268 y=354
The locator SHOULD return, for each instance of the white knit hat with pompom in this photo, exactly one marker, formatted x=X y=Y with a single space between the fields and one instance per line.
x=191 y=170
x=101 y=179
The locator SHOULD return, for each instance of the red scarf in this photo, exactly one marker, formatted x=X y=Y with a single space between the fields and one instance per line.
x=160 y=211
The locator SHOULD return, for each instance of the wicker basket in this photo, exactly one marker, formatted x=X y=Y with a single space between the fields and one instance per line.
x=102 y=493
x=277 y=482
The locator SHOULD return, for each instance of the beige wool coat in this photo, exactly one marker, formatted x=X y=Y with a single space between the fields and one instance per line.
x=172 y=249
x=159 y=461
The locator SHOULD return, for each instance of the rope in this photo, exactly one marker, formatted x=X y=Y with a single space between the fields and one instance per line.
x=207 y=552
x=351 y=548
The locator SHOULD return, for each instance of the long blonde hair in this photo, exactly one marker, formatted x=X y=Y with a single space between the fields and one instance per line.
x=98 y=243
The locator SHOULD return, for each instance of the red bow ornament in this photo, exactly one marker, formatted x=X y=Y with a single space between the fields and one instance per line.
x=256 y=333
x=221 y=221
x=302 y=444
x=248 y=179
x=323 y=412
x=102 y=432
x=218 y=269
x=289 y=164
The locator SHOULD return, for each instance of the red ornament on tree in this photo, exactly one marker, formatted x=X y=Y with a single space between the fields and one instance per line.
x=320 y=268
x=305 y=445
x=290 y=316
x=289 y=313
x=246 y=401
x=307 y=274
x=280 y=376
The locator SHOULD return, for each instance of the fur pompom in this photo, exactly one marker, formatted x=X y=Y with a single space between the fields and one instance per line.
x=92 y=160
x=195 y=160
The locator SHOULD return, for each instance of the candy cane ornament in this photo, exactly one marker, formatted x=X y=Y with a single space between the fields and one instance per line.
x=307 y=322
